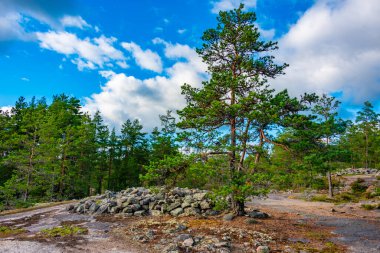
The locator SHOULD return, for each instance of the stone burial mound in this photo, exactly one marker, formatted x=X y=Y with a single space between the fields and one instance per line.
x=141 y=201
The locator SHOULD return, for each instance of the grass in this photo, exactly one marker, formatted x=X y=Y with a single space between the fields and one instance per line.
x=39 y=206
x=64 y=231
x=6 y=231
x=370 y=207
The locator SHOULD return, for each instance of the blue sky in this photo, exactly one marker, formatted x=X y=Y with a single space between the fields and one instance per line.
x=128 y=59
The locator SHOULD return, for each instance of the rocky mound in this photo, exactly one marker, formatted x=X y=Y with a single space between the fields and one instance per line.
x=141 y=201
x=358 y=171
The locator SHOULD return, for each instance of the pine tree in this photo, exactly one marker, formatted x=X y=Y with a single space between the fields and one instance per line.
x=220 y=112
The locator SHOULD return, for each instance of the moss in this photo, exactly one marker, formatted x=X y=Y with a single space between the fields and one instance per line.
x=64 y=231
x=6 y=231
x=330 y=247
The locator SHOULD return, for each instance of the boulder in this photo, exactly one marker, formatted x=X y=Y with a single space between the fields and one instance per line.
x=262 y=249
x=257 y=215
x=177 y=211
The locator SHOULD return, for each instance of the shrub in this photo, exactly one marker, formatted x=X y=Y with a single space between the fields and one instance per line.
x=358 y=187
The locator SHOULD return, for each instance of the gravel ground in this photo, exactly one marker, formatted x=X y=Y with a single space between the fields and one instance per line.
x=356 y=228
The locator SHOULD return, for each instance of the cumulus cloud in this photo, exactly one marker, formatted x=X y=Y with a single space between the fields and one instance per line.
x=10 y=26
x=87 y=53
x=25 y=79
x=225 y=5
x=14 y=15
x=6 y=108
x=146 y=59
x=333 y=47
x=74 y=21
x=126 y=97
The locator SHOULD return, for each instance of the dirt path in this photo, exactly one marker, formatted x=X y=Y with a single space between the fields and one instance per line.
x=355 y=227
x=97 y=239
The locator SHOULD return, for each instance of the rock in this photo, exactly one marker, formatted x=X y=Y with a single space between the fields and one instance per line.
x=190 y=211
x=212 y=212
x=222 y=244
x=177 y=201
x=199 y=196
x=80 y=209
x=87 y=204
x=205 y=205
x=128 y=209
x=135 y=207
x=333 y=210
x=263 y=249
x=229 y=217
x=183 y=237
x=180 y=228
x=93 y=208
x=173 y=206
x=177 y=211
x=171 y=248
x=155 y=213
x=139 y=213
x=69 y=207
x=145 y=201
x=102 y=209
x=257 y=215
x=189 y=242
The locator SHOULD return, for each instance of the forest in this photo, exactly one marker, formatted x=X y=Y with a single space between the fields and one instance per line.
x=235 y=135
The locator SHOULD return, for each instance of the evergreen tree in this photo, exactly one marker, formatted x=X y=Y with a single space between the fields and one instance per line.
x=220 y=111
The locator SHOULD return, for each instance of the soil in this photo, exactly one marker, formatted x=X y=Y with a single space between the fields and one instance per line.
x=293 y=225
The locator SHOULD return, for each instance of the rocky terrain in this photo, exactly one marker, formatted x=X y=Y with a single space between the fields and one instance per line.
x=138 y=220
x=141 y=201
x=358 y=171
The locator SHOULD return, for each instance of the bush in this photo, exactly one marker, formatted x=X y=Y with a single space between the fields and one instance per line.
x=357 y=187
x=370 y=207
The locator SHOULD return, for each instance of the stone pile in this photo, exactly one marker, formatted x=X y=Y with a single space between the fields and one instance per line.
x=358 y=171
x=141 y=201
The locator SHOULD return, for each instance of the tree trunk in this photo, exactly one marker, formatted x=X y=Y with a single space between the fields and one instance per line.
x=331 y=193
x=366 y=150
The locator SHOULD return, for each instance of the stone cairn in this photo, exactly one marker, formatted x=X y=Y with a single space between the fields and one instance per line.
x=141 y=201
x=358 y=171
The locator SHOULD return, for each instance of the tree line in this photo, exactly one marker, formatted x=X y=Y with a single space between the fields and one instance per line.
x=54 y=152
x=235 y=136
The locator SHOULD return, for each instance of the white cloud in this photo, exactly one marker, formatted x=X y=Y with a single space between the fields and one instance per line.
x=6 y=108
x=267 y=34
x=181 y=31
x=88 y=53
x=146 y=59
x=334 y=46
x=10 y=26
x=25 y=79
x=224 y=5
x=125 y=97
x=74 y=21
x=122 y=64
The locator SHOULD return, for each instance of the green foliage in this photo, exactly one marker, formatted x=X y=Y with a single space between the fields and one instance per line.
x=167 y=171
x=53 y=152
x=64 y=231
x=370 y=206
x=357 y=187
x=6 y=231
